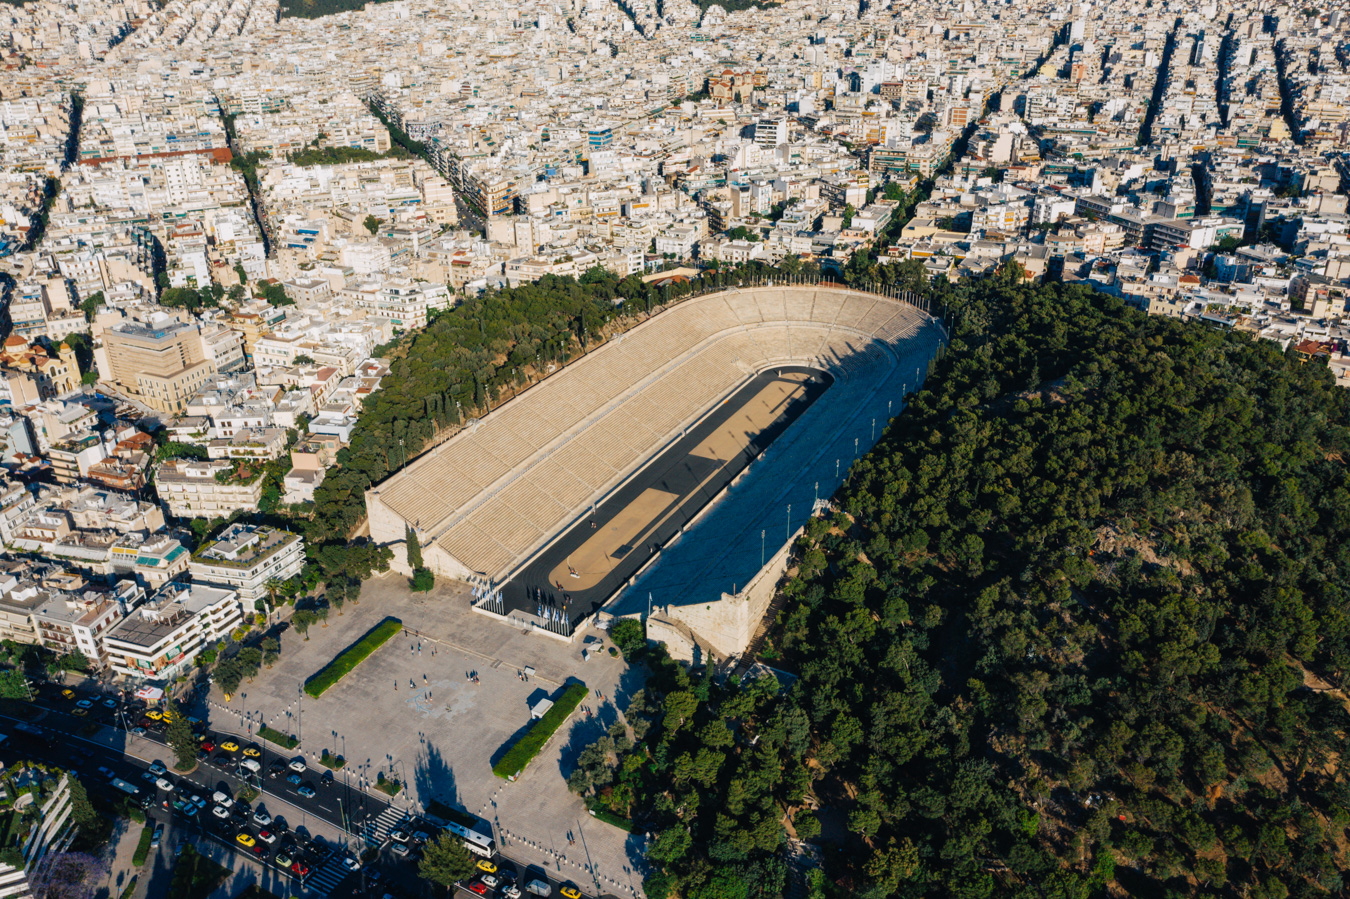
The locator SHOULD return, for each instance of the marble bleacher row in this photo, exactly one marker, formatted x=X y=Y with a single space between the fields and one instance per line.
x=494 y=493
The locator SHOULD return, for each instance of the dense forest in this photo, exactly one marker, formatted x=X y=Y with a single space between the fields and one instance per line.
x=316 y=9
x=1077 y=628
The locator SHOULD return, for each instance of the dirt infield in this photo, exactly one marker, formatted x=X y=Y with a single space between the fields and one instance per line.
x=588 y=562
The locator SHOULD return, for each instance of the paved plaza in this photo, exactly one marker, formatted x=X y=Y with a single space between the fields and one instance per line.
x=412 y=712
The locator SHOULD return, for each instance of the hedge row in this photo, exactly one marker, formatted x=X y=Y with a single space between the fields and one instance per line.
x=143 y=847
x=275 y=736
x=514 y=760
x=352 y=656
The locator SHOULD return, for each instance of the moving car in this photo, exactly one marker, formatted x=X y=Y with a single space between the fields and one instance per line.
x=222 y=799
x=157 y=836
x=110 y=703
x=267 y=836
x=538 y=887
x=570 y=891
x=154 y=715
x=68 y=694
x=298 y=765
x=401 y=836
x=307 y=791
x=511 y=891
x=250 y=765
x=300 y=869
x=478 y=887
x=230 y=746
x=220 y=811
x=400 y=849
x=245 y=839
x=294 y=779
x=350 y=863
x=490 y=879
x=253 y=752
x=261 y=818
x=84 y=704
x=485 y=865
x=164 y=784
x=283 y=858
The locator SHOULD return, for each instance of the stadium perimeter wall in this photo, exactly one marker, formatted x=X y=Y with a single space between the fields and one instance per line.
x=544 y=465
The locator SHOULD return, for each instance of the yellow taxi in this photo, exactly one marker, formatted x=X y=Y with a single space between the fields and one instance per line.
x=569 y=891
x=68 y=694
x=487 y=866
x=253 y=752
x=230 y=746
x=168 y=717
x=154 y=715
x=246 y=840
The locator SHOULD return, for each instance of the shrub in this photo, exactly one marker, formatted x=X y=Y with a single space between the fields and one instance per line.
x=143 y=847
x=514 y=760
x=629 y=635
x=352 y=656
x=277 y=737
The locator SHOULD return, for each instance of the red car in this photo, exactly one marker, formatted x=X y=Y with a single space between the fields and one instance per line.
x=208 y=746
x=300 y=869
x=479 y=887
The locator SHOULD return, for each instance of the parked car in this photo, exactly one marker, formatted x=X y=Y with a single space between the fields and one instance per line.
x=220 y=811
x=246 y=839
x=570 y=891
x=250 y=765
x=261 y=818
x=157 y=836
x=157 y=769
x=222 y=799
x=164 y=784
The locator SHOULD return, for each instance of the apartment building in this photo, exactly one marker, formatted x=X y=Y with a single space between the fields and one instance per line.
x=245 y=558
x=159 y=639
x=78 y=622
x=161 y=362
x=209 y=489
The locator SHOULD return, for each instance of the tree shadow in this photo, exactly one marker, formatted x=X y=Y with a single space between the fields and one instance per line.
x=433 y=778
x=634 y=678
x=583 y=732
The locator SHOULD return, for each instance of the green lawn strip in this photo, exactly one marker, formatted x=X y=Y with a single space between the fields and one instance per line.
x=328 y=760
x=352 y=656
x=130 y=888
x=514 y=760
x=195 y=876
x=389 y=787
x=275 y=736
x=601 y=814
x=143 y=847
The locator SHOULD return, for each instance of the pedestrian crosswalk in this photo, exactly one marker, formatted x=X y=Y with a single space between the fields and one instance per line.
x=324 y=879
x=376 y=830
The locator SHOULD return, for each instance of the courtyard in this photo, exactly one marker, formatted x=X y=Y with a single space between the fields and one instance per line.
x=434 y=707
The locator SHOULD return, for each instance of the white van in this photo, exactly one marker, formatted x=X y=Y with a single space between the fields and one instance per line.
x=250 y=765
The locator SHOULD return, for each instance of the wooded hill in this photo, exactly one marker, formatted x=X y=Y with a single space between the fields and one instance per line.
x=1079 y=629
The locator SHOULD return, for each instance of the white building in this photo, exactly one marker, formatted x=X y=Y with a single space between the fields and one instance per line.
x=245 y=558
x=159 y=640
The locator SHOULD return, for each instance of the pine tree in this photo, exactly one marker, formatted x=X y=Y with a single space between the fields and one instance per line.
x=414 y=549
